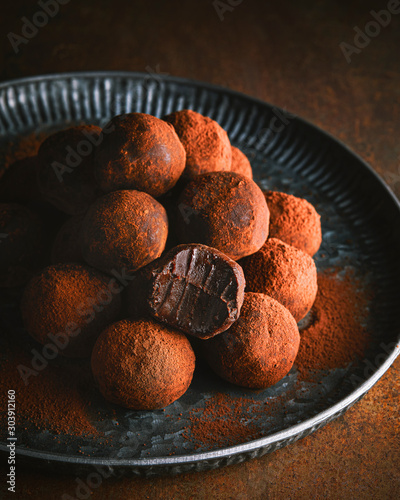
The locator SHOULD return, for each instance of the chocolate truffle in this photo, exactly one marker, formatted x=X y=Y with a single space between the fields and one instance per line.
x=240 y=163
x=139 y=152
x=259 y=349
x=194 y=288
x=223 y=210
x=22 y=242
x=66 y=245
x=294 y=221
x=67 y=306
x=285 y=273
x=206 y=143
x=123 y=230
x=65 y=168
x=142 y=365
x=19 y=182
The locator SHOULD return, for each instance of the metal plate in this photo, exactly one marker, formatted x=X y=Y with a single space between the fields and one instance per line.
x=361 y=229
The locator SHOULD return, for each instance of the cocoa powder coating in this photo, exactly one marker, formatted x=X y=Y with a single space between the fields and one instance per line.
x=65 y=169
x=123 y=230
x=240 y=163
x=139 y=151
x=259 y=349
x=295 y=221
x=223 y=210
x=206 y=143
x=285 y=273
x=142 y=365
x=71 y=302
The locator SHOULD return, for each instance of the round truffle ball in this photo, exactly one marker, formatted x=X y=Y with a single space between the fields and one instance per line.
x=22 y=242
x=240 y=163
x=66 y=307
x=139 y=151
x=206 y=143
x=123 y=230
x=65 y=168
x=223 y=210
x=66 y=245
x=285 y=273
x=142 y=365
x=294 y=221
x=259 y=349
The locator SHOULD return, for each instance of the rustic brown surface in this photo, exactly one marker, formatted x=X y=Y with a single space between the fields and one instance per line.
x=286 y=53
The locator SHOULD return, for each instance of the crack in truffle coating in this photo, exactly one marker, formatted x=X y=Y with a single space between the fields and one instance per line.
x=259 y=349
x=224 y=210
x=285 y=273
x=22 y=242
x=65 y=168
x=240 y=163
x=194 y=288
x=123 y=230
x=206 y=143
x=139 y=152
x=68 y=305
x=295 y=221
x=142 y=365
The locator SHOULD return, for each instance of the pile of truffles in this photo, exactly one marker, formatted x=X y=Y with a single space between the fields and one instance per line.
x=146 y=241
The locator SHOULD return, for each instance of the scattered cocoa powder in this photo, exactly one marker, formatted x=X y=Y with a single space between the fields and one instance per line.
x=336 y=335
x=56 y=399
x=224 y=421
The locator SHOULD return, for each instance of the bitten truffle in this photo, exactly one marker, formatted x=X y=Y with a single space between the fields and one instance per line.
x=240 y=163
x=139 y=152
x=142 y=365
x=206 y=143
x=65 y=168
x=285 y=273
x=294 y=221
x=22 y=242
x=194 y=288
x=123 y=230
x=66 y=307
x=66 y=245
x=259 y=349
x=223 y=210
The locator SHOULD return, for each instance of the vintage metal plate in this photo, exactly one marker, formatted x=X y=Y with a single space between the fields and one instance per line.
x=361 y=230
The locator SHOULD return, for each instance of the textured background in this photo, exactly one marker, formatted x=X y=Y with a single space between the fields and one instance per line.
x=287 y=53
